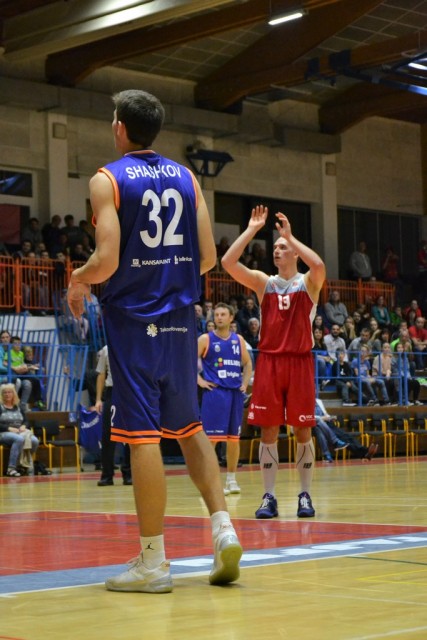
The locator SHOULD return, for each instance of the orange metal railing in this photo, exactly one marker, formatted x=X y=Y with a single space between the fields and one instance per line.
x=36 y=284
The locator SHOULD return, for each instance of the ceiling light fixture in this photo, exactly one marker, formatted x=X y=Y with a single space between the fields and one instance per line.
x=295 y=14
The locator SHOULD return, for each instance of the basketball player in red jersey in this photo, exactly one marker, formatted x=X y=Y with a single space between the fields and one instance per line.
x=283 y=390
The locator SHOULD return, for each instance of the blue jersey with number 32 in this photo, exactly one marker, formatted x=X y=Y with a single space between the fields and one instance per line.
x=159 y=267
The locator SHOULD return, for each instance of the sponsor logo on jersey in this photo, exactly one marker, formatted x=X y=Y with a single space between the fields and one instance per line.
x=178 y=259
x=152 y=330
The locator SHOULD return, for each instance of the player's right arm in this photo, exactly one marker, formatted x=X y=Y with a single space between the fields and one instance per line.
x=205 y=236
x=255 y=280
x=202 y=345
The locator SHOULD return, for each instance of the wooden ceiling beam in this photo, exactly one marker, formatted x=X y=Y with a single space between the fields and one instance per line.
x=71 y=66
x=366 y=100
x=257 y=68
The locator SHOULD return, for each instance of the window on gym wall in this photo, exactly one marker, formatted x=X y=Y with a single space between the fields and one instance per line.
x=379 y=230
x=232 y=213
x=15 y=183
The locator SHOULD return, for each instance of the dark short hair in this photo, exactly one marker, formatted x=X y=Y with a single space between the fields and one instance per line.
x=141 y=113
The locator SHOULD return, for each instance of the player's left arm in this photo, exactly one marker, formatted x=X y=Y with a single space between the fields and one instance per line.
x=246 y=364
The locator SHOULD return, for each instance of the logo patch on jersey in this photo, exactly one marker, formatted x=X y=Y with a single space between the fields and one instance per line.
x=303 y=418
x=152 y=330
x=222 y=373
x=217 y=348
x=135 y=263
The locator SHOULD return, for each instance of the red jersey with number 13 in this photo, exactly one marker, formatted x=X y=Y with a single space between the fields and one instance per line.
x=287 y=314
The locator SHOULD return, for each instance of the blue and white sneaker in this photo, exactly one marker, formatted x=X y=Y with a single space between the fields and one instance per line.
x=268 y=508
x=305 y=507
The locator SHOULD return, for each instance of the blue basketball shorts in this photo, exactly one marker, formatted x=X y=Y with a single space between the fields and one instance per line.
x=222 y=413
x=154 y=369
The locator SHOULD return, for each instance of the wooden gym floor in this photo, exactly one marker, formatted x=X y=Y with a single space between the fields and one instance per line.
x=357 y=571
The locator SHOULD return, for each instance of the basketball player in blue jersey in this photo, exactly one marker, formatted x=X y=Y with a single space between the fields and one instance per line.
x=153 y=240
x=223 y=355
x=283 y=391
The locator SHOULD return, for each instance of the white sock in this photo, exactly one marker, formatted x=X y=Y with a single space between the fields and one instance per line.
x=305 y=464
x=269 y=463
x=230 y=477
x=219 y=519
x=153 y=551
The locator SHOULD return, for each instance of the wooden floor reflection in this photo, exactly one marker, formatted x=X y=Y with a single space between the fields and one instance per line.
x=357 y=571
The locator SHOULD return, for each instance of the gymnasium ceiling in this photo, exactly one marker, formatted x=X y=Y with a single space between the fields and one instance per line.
x=350 y=57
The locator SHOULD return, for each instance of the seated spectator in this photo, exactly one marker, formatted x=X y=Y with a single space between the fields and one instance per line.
x=210 y=326
x=18 y=369
x=381 y=369
x=364 y=340
x=250 y=310
x=87 y=237
x=403 y=380
x=14 y=431
x=418 y=334
x=50 y=233
x=87 y=247
x=258 y=256
x=405 y=340
x=208 y=312
x=319 y=323
x=74 y=234
x=23 y=252
x=358 y=322
x=344 y=379
x=362 y=367
x=323 y=362
x=324 y=435
x=381 y=313
x=251 y=335
x=35 y=376
x=348 y=330
x=375 y=340
x=334 y=341
x=358 y=450
x=222 y=247
x=78 y=254
x=200 y=320
x=365 y=315
x=412 y=312
x=335 y=310
x=32 y=232
x=396 y=317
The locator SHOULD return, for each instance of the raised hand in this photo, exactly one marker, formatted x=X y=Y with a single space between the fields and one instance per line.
x=283 y=225
x=258 y=217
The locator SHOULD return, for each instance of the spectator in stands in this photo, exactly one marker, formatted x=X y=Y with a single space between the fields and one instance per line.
x=348 y=330
x=323 y=361
x=381 y=369
x=390 y=271
x=251 y=335
x=32 y=232
x=200 y=320
x=344 y=379
x=87 y=247
x=385 y=336
x=62 y=246
x=335 y=310
x=250 y=310
x=258 y=258
x=39 y=248
x=78 y=254
x=365 y=315
x=14 y=430
x=358 y=450
x=375 y=340
x=381 y=313
x=396 y=317
x=362 y=367
x=74 y=234
x=87 y=237
x=403 y=378
x=324 y=435
x=50 y=233
x=412 y=312
x=358 y=322
x=405 y=340
x=26 y=248
x=35 y=290
x=364 y=340
x=418 y=334
x=360 y=263
x=319 y=323
x=210 y=326
x=19 y=369
x=35 y=376
x=222 y=246
x=334 y=341
x=208 y=312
